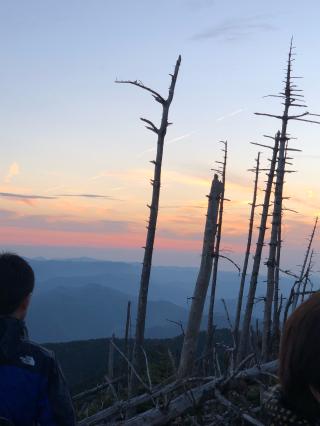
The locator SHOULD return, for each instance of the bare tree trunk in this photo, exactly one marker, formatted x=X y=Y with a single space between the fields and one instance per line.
x=215 y=254
x=273 y=245
x=276 y=333
x=303 y=269
x=128 y=322
x=111 y=359
x=247 y=255
x=276 y=309
x=276 y=314
x=306 y=279
x=156 y=183
x=287 y=307
x=245 y=332
x=277 y=213
x=195 y=315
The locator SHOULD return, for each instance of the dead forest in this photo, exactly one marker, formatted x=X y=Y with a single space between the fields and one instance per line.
x=221 y=385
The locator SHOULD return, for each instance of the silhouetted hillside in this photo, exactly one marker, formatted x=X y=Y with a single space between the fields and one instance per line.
x=84 y=363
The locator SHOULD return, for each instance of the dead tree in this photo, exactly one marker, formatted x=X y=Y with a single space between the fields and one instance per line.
x=127 y=335
x=304 y=265
x=273 y=246
x=127 y=330
x=111 y=358
x=195 y=315
x=247 y=255
x=245 y=331
x=216 y=253
x=307 y=277
x=154 y=207
x=276 y=308
x=292 y=98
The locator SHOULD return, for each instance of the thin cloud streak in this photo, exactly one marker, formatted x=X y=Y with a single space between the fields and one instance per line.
x=26 y=196
x=170 y=142
x=97 y=196
x=234 y=29
x=9 y=218
x=232 y=114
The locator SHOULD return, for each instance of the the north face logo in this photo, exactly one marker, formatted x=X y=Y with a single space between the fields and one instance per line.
x=28 y=360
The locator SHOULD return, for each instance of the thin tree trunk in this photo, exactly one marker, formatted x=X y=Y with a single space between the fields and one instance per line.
x=303 y=269
x=154 y=207
x=273 y=245
x=247 y=255
x=287 y=307
x=111 y=359
x=276 y=314
x=196 y=311
x=307 y=278
x=245 y=332
x=215 y=254
x=276 y=310
x=128 y=322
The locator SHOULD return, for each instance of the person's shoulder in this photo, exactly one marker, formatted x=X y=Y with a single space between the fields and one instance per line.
x=37 y=349
x=34 y=355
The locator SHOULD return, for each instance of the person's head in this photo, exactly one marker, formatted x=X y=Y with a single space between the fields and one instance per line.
x=299 y=361
x=16 y=285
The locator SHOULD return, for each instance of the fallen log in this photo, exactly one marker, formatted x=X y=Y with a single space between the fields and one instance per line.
x=122 y=406
x=191 y=397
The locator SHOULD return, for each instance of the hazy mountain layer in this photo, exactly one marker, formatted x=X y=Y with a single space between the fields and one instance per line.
x=85 y=299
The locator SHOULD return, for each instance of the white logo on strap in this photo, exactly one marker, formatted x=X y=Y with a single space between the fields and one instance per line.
x=28 y=360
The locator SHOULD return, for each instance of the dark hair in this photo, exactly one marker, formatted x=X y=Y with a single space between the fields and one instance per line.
x=16 y=282
x=299 y=361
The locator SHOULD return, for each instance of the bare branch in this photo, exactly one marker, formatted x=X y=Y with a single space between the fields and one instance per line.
x=137 y=83
x=130 y=365
x=230 y=260
x=150 y=126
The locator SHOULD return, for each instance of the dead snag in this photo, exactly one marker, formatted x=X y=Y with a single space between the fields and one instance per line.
x=127 y=330
x=292 y=98
x=247 y=255
x=245 y=330
x=275 y=335
x=156 y=183
x=191 y=334
x=273 y=246
x=307 y=277
x=111 y=358
x=303 y=269
x=216 y=254
x=289 y=97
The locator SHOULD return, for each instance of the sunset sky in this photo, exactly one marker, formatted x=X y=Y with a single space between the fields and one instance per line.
x=74 y=164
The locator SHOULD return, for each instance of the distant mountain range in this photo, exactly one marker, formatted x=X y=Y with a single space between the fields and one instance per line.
x=94 y=311
x=86 y=298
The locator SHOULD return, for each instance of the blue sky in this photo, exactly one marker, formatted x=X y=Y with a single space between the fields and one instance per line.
x=66 y=128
